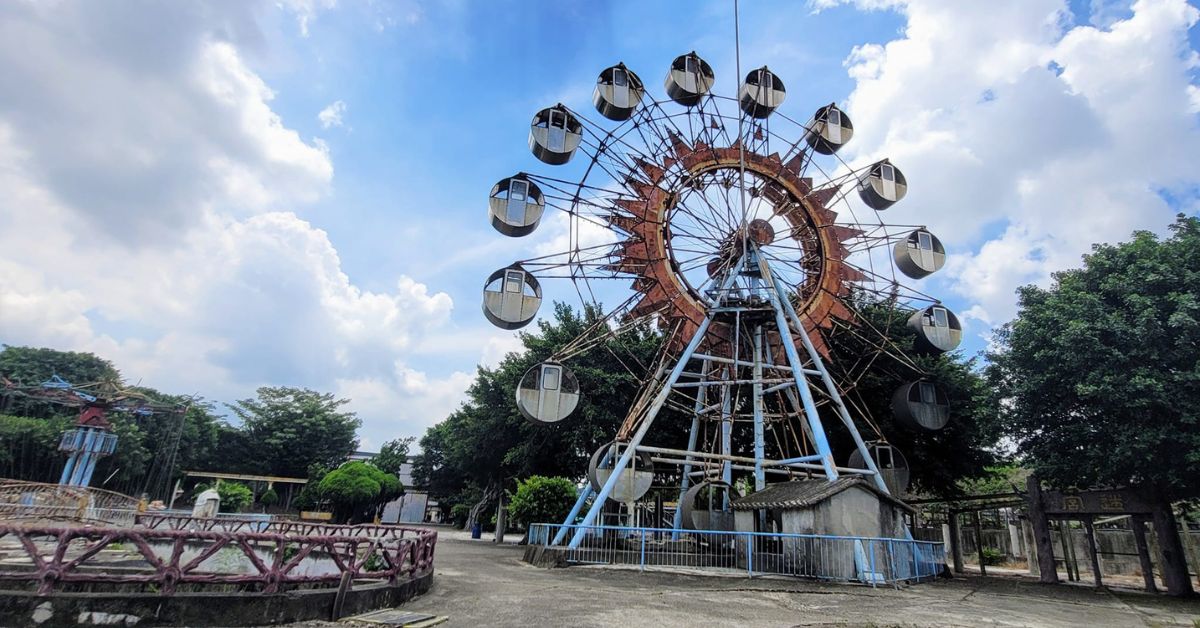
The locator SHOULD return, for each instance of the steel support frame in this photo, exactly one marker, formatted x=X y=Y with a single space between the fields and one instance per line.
x=787 y=321
x=651 y=413
x=778 y=296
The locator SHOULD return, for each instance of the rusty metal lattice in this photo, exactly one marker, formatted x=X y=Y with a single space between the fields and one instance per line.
x=48 y=558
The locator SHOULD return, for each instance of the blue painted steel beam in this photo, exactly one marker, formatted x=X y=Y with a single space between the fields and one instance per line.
x=693 y=436
x=825 y=378
x=778 y=296
x=651 y=414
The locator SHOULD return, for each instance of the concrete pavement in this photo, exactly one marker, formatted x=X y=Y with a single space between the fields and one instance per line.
x=481 y=584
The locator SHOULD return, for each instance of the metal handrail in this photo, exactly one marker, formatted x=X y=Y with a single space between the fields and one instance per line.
x=871 y=560
x=53 y=556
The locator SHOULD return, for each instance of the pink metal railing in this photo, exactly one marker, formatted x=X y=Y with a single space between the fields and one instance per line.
x=55 y=556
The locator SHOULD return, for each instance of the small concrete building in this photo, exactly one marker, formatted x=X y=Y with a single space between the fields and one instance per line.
x=849 y=506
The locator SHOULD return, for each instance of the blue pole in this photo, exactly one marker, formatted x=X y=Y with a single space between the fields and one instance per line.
x=627 y=455
x=93 y=459
x=583 y=497
x=789 y=347
x=85 y=457
x=825 y=379
x=760 y=478
x=693 y=435
x=65 y=478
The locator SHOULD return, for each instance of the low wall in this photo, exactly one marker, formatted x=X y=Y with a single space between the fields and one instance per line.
x=22 y=608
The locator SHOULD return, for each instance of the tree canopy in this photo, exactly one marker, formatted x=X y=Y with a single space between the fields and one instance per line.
x=1100 y=372
x=356 y=489
x=393 y=455
x=288 y=429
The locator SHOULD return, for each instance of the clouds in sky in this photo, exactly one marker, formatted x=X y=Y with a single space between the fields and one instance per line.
x=1028 y=134
x=332 y=115
x=147 y=213
x=167 y=199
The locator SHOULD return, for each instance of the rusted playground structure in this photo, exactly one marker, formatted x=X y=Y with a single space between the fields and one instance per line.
x=67 y=556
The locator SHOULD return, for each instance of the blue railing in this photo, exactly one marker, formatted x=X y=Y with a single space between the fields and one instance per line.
x=870 y=560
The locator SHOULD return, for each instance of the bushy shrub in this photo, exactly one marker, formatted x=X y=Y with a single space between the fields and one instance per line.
x=234 y=496
x=541 y=499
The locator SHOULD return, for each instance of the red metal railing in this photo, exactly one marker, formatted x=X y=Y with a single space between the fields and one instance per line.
x=159 y=521
x=267 y=561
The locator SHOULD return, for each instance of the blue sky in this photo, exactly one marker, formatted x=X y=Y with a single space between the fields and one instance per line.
x=199 y=220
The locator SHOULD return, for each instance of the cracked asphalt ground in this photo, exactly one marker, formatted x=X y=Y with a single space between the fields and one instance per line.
x=481 y=584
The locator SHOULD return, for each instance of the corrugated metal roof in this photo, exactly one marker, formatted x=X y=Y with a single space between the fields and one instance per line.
x=806 y=493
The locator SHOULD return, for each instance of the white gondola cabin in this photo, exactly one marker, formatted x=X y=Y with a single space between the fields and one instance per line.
x=882 y=185
x=511 y=298
x=938 y=329
x=554 y=135
x=893 y=467
x=920 y=254
x=921 y=405
x=618 y=93
x=708 y=505
x=829 y=130
x=635 y=480
x=516 y=205
x=548 y=393
x=689 y=79
x=761 y=93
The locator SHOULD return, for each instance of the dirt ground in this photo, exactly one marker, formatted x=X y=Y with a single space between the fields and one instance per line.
x=482 y=584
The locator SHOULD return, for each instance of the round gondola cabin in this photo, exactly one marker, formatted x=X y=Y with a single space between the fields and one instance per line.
x=689 y=79
x=882 y=185
x=920 y=254
x=554 y=135
x=938 y=329
x=829 y=130
x=921 y=405
x=761 y=93
x=618 y=93
x=548 y=393
x=516 y=205
x=511 y=298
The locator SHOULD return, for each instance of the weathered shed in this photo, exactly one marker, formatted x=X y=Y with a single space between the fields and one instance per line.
x=848 y=506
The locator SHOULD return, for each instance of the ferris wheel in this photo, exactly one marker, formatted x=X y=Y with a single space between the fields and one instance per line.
x=748 y=242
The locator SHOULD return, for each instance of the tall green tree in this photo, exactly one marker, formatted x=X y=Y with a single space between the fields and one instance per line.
x=486 y=445
x=1101 y=371
x=393 y=455
x=881 y=338
x=289 y=429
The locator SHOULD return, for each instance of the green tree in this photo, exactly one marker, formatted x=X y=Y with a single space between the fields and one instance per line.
x=357 y=490
x=540 y=499
x=486 y=444
x=1101 y=371
x=393 y=455
x=289 y=429
x=268 y=498
x=235 y=496
x=34 y=365
x=938 y=460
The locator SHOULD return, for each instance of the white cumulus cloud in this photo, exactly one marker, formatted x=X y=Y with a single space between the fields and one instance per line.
x=1027 y=133
x=331 y=115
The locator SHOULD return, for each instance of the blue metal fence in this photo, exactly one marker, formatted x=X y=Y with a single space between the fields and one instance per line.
x=840 y=558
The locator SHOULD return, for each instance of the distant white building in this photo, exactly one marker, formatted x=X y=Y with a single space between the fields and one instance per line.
x=414 y=506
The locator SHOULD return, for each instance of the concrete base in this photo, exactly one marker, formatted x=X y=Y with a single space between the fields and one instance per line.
x=21 y=608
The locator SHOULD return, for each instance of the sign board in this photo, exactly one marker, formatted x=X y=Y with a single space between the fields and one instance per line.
x=1112 y=502
x=314 y=515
